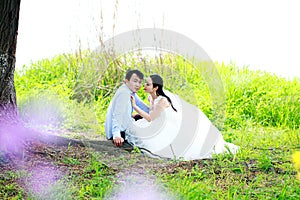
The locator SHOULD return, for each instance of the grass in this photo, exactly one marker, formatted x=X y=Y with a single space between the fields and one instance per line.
x=9 y=187
x=261 y=114
x=56 y=172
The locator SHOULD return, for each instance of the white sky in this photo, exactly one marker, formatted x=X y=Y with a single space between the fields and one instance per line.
x=261 y=34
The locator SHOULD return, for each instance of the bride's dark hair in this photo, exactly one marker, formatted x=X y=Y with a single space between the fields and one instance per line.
x=158 y=82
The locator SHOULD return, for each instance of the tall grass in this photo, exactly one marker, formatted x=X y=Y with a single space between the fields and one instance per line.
x=260 y=97
x=84 y=83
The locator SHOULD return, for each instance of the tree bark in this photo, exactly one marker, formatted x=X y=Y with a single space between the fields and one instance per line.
x=9 y=21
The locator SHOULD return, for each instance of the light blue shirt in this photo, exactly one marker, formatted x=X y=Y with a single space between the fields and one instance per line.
x=119 y=114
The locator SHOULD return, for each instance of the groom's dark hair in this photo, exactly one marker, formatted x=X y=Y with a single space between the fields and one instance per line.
x=129 y=73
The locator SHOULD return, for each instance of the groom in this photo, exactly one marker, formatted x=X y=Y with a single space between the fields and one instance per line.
x=119 y=114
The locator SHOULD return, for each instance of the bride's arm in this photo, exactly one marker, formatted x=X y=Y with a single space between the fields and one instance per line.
x=144 y=114
x=158 y=108
x=141 y=104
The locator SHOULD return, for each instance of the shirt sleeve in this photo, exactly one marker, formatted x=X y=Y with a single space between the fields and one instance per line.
x=121 y=117
x=116 y=132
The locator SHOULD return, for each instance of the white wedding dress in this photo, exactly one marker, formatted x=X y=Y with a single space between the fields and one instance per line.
x=186 y=134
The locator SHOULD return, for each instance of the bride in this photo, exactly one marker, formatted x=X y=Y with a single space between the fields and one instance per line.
x=174 y=128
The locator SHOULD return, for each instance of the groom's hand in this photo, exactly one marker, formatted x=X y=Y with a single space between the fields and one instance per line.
x=118 y=141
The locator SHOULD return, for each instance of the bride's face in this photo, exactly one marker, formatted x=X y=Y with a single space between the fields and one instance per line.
x=148 y=85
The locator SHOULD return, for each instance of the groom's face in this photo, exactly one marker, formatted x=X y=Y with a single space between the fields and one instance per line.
x=134 y=83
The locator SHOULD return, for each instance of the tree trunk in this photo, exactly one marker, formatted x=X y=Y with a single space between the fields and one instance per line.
x=9 y=21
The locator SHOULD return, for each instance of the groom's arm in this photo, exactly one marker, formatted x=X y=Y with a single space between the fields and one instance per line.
x=121 y=117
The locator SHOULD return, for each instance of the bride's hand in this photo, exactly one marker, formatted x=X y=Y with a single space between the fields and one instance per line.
x=132 y=100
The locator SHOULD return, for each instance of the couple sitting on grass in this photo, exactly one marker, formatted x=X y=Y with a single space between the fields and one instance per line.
x=168 y=128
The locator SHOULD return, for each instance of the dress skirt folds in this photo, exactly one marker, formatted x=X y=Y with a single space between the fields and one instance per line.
x=186 y=134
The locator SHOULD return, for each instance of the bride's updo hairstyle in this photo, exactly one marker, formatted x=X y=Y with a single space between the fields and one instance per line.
x=157 y=81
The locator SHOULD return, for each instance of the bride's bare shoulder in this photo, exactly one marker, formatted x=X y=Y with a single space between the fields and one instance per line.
x=163 y=102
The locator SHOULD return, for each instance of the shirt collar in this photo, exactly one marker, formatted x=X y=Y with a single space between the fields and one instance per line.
x=127 y=88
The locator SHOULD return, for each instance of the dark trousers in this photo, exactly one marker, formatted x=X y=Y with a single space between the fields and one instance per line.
x=125 y=144
x=136 y=117
x=123 y=134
